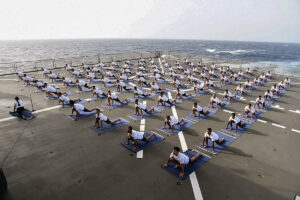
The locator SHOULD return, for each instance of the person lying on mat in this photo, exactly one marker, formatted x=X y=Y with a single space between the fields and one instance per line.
x=227 y=95
x=210 y=135
x=76 y=73
x=139 y=93
x=19 y=107
x=181 y=94
x=236 y=121
x=155 y=87
x=53 y=77
x=260 y=101
x=49 y=90
x=180 y=159
x=111 y=97
x=249 y=109
x=98 y=92
x=136 y=136
x=121 y=85
x=268 y=95
x=65 y=100
x=216 y=100
x=163 y=99
x=77 y=108
x=198 y=109
x=100 y=118
x=67 y=81
x=29 y=79
x=81 y=84
x=171 y=122
x=140 y=107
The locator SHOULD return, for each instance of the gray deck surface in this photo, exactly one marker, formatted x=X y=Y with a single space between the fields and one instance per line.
x=53 y=157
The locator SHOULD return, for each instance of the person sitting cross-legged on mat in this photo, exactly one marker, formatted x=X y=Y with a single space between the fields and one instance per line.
x=216 y=100
x=181 y=94
x=210 y=135
x=140 y=107
x=77 y=108
x=180 y=159
x=19 y=107
x=236 y=120
x=249 y=109
x=163 y=99
x=136 y=136
x=100 y=118
x=260 y=101
x=65 y=100
x=171 y=122
x=139 y=93
x=198 y=109
x=111 y=97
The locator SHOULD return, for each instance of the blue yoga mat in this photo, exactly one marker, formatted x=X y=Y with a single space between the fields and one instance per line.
x=240 y=130
x=232 y=100
x=267 y=107
x=184 y=125
x=161 y=107
x=186 y=98
x=143 y=145
x=218 y=147
x=145 y=115
x=255 y=117
x=146 y=97
x=116 y=105
x=83 y=114
x=165 y=91
x=27 y=114
x=67 y=105
x=189 y=116
x=84 y=90
x=108 y=127
x=220 y=107
x=107 y=85
x=202 y=92
x=189 y=168
x=94 y=98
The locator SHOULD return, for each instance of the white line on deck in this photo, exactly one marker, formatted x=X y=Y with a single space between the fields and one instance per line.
x=140 y=153
x=228 y=111
x=278 y=107
x=193 y=177
x=280 y=126
x=263 y=121
x=162 y=69
x=295 y=111
x=297 y=131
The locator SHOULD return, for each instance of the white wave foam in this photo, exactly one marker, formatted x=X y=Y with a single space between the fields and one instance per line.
x=210 y=50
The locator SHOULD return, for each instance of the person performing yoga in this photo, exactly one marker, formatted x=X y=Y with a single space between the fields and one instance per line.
x=227 y=95
x=142 y=81
x=49 y=90
x=65 y=100
x=67 y=81
x=105 y=81
x=275 y=89
x=199 y=87
x=180 y=159
x=81 y=84
x=198 y=109
x=249 y=109
x=111 y=97
x=136 y=136
x=260 y=101
x=77 y=108
x=139 y=93
x=268 y=95
x=29 y=80
x=236 y=120
x=224 y=80
x=163 y=99
x=121 y=85
x=100 y=118
x=171 y=122
x=19 y=107
x=210 y=135
x=98 y=92
x=216 y=100
x=239 y=89
x=181 y=94
x=155 y=87
x=140 y=107
x=248 y=85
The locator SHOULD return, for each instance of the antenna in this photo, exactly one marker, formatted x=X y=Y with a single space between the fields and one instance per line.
x=31 y=103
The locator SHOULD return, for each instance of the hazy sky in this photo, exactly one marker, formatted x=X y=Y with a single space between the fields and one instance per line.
x=249 y=20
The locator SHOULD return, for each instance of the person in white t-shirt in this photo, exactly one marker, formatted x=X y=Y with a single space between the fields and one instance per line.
x=171 y=122
x=98 y=93
x=155 y=87
x=224 y=80
x=199 y=87
x=214 y=137
x=260 y=102
x=45 y=72
x=67 y=81
x=248 y=85
x=235 y=120
x=139 y=93
x=63 y=100
x=227 y=95
x=50 y=91
x=209 y=83
x=249 y=109
x=163 y=100
x=180 y=159
x=82 y=84
x=19 y=107
x=275 y=89
x=240 y=90
x=181 y=94
x=140 y=108
x=198 y=109
x=287 y=82
x=21 y=75
x=68 y=68
x=176 y=83
x=105 y=80
x=121 y=85
x=111 y=97
x=268 y=95
x=78 y=108
x=136 y=136
x=100 y=118
x=215 y=100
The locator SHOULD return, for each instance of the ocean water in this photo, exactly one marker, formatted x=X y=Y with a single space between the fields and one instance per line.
x=278 y=57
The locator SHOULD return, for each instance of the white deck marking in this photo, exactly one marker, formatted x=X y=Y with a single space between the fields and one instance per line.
x=162 y=69
x=228 y=111
x=140 y=153
x=7 y=119
x=193 y=177
x=297 y=131
x=243 y=99
x=263 y=121
x=46 y=109
x=278 y=107
x=295 y=111
x=280 y=126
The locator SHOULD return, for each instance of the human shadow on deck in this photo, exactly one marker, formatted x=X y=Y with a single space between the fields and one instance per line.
x=255 y=132
x=235 y=151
